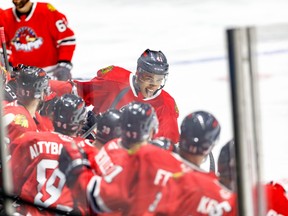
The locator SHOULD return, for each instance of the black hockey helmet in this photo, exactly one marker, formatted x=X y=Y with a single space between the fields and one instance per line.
x=227 y=165
x=153 y=62
x=164 y=143
x=69 y=114
x=199 y=132
x=31 y=82
x=108 y=125
x=138 y=122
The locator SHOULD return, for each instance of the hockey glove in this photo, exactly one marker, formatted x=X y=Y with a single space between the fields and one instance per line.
x=72 y=162
x=63 y=71
x=88 y=129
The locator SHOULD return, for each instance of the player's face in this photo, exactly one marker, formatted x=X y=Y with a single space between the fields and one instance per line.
x=19 y=3
x=149 y=83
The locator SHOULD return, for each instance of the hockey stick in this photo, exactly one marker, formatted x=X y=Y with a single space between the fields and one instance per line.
x=113 y=105
x=4 y=48
x=87 y=133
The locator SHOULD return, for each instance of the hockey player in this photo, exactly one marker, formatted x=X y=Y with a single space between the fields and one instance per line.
x=22 y=115
x=114 y=87
x=34 y=161
x=276 y=195
x=200 y=132
x=37 y=34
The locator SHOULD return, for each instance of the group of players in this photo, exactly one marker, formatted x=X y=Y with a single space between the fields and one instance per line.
x=124 y=167
x=120 y=169
x=123 y=156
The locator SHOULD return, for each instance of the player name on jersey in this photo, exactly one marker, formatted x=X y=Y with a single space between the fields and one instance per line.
x=45 y=147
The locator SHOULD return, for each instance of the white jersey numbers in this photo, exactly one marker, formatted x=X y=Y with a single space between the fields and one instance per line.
x=61 y=26
x=48 y=193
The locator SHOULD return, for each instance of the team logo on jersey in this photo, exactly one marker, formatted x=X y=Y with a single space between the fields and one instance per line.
x=21 y=120
x=25 y=39
x=51 y=7
x=106 y=70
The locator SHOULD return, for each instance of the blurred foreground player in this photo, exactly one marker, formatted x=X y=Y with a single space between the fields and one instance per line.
x=35 y=161
x=276 y=195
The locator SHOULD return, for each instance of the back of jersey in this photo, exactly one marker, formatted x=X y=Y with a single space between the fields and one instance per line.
x=36 y=176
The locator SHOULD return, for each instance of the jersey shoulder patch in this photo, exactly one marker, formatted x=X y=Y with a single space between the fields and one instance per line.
x=51 y=7
x=21 y=120
x=105 y=70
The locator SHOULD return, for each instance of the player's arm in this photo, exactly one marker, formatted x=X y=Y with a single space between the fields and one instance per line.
x=168 y=126
x=65 y=41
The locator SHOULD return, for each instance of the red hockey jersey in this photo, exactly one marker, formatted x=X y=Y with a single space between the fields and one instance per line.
x=18 y=121
x=102 y=92
x=194 y=193
x=277 y=199
x=40 y=39
x=35 y=172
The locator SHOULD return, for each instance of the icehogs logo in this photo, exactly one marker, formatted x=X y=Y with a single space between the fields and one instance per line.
x=26 y=40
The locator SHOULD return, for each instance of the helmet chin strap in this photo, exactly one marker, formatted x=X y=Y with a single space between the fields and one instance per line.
x=161 y=86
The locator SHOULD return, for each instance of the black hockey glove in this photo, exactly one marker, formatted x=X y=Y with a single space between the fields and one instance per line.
x=88 y=129
x=63 y=71
x=72 y=162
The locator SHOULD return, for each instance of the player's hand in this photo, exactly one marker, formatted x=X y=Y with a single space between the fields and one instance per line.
x=63 y=71
x=72 y=161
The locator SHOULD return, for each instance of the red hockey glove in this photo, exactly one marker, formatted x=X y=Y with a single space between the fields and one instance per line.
x=73 y=160
x=63 y=71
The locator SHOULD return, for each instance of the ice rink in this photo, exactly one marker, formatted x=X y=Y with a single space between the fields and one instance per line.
x=192 y=35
